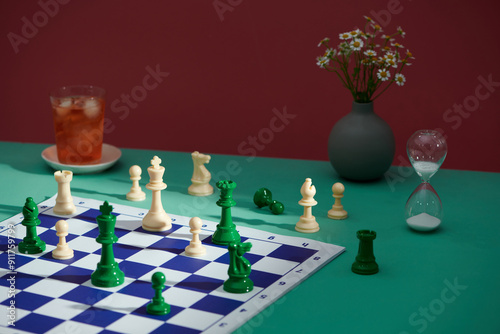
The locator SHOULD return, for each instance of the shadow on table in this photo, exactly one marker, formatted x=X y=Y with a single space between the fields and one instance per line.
x=11 y=209
x=93 y=192
x=256 y=223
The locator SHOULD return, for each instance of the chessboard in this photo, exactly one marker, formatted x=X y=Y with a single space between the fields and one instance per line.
x=56 y=296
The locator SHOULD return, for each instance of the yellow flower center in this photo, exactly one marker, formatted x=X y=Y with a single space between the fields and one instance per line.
x=383 y=74
x=356 y=44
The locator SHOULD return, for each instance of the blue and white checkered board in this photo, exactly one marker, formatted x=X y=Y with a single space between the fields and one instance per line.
x=56 y=296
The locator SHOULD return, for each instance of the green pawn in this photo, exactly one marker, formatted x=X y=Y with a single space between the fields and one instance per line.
x=31 y=244
x=264 y=197
x=226 y=230
x=158 y=305
x=239 y=269
x=365 y=260
x=107 y=274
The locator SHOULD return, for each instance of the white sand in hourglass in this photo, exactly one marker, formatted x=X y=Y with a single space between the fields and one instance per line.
x=425 y=169
x=423 y=222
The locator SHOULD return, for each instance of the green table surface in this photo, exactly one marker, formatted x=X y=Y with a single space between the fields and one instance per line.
x=447 y=281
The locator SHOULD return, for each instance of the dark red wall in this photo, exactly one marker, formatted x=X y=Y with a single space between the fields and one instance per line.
x=231 y=69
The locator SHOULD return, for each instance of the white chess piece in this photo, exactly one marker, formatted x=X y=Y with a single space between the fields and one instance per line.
x=201 y=176
x=62 y=251
x=337 y=211
x=307 y=222
x=64 y=201
x=135 y=193
x=156 y=219
x=195 y=248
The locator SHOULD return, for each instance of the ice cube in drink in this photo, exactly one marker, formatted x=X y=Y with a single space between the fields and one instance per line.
x=78 y=123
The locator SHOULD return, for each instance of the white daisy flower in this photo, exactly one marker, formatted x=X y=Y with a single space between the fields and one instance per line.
x=330 y=52
x=322 y=62
x=400 y=79
x=390 y=56
x=397 y=45
x=391 y=62
x=401 y=32
x=370 y=53
x=345 y=36
x=383 y=74
x=356 y=44
x=324 y=41
x=356 y=33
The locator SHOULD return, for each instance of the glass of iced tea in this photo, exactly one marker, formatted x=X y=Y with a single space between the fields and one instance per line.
x=78 y=121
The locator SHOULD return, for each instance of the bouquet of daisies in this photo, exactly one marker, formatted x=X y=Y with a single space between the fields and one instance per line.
x=367 y=60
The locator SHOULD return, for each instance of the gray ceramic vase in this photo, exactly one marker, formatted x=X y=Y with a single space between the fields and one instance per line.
x=361 y=145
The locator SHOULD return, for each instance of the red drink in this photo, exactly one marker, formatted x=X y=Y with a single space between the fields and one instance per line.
x=78 y=123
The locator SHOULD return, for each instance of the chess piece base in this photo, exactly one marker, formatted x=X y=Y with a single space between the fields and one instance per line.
x=107 y=276
x=200 y=189
x=307 y=225
x=156 y=222
x=364 y=268
x=195 y=250
x=136 y=196
x=158 y=308
x=63 y=253
x=32 y=246
x=225 y=235
x=238 y=285
x=333 y=214
x=64 y=209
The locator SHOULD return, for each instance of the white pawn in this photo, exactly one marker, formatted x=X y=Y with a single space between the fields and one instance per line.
x=195 y=248
x=337 y=211
x=307 y=222
x=62 y=251
x=135 y=193
x=64 y=201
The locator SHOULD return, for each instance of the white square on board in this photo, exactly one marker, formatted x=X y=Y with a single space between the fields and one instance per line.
x=119 y=302
x=274 y=266
x=172 y=277
x=51 y=288
x=40 y=267
x=139 y=239
x=78 y=227
x=132 y=324
x=126 y=222
x=90 y=262
x=194 y=319
x=79 y=210
x=74 y=327
x=182 y=297
x=20 y=313
x=84 y=244
x=212 y=253
x=126 y=282
x=153 y=257
x=214 y=270
x=61 y=309
x=260 y=247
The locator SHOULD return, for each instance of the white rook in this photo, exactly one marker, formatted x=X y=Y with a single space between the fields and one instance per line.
x=64 y=201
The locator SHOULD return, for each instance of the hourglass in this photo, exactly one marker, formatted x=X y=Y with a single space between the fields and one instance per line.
x=426 y=150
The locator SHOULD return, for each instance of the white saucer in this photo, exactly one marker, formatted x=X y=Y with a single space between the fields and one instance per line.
x=110 y=155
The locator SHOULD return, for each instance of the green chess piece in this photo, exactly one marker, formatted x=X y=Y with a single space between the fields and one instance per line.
x=226 y=230
x=107 y=274
x=31 y=244
x=157 y=306
x=263 y=197
x=239 y=269
x=365 y=260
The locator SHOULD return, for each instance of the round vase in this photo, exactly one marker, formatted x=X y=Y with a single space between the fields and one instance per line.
x=361 y=145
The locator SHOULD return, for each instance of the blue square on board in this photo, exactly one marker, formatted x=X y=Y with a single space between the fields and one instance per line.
x=252 y=258
x=185 y=264
x=200 y=283
x=50 y=237
x=77 y=255
x=85 y=295
x=28 y=301
x=293 y=253
x=19 y=260
x=263 y=279
x=48 y=221
x=134 y=269
x=217 y=305
x=138 y=288
x=91 y=214
x=37 y=323
x=171 y=328
x=175 y=246
x=4 y=244
x=22 y=280
x=122 y=251
x=98 y=317
x=73 y=275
